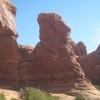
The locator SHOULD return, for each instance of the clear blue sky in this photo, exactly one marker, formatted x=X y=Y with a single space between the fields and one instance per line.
x=83 y=17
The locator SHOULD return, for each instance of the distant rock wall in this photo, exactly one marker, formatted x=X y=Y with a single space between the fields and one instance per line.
x=79 y=48
x=91 y=65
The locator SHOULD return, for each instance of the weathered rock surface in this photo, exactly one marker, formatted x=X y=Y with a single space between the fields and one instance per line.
x=55 y=62
x=7 y=18
x=79 y=48
x=25 y=52
x=53 y=65
x=54 y=36
x=9 y=52
x=91 y=65
x=50 y=65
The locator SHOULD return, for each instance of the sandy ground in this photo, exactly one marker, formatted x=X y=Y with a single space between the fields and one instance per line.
x=9 y=94
x=64 y=97
x=13 y=94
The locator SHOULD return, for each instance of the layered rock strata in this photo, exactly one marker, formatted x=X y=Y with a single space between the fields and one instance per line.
x=9 y=50
x=91 y=65
x=51 y=65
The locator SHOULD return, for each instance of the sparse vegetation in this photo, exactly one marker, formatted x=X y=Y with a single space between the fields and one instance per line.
x=80 y=97
x=97 y=87
x=35 y=94
x=2 y=96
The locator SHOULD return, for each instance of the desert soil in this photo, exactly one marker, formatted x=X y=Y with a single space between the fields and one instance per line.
x=14 y=94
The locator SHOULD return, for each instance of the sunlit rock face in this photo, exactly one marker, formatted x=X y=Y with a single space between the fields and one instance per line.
x=91 y=65
x=9 y=52
x=7 y=18
x=79 y=48
x=51 y=65
x=52 y=62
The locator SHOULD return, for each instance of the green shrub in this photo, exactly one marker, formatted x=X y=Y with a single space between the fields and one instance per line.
x=2 y=96
x=35 y=94
x=80 y=97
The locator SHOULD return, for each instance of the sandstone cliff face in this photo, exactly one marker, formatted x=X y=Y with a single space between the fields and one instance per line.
x=7 y=18
x=91 y=65
x=79 y=48
x=25 y=52
x=55 y=62
x=50 y=65
x=9 y=53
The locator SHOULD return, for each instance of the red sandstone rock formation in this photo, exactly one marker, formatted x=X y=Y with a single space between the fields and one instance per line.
x=91 y=65
x=9 y=53
x=25 y=52
x=50 y=65
x=7 y=18
x=53 y=64
x=79 y=48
